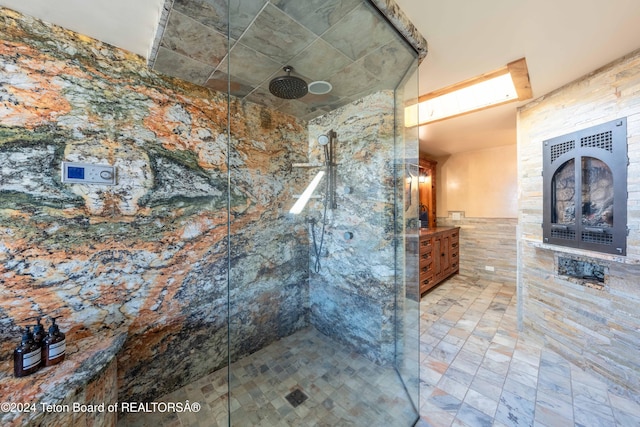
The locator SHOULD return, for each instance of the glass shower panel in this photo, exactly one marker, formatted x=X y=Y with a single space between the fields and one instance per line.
x=322 y=326
x=407 y=206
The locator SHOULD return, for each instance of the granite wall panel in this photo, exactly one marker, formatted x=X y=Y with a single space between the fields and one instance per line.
x=352 y=296
x=148 y=255
x=597 y=327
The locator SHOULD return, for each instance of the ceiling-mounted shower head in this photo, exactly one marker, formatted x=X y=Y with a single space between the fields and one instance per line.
x=288 y=87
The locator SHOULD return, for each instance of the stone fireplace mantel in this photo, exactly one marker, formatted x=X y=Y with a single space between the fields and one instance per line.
x=583 y=253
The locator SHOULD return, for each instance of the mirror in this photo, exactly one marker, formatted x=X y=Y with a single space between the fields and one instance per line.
x=427 y=193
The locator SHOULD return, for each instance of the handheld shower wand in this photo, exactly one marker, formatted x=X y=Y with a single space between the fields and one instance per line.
x=326 y=141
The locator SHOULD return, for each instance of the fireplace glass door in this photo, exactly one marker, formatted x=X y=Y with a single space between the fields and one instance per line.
x=597 y=195
x=563 y=198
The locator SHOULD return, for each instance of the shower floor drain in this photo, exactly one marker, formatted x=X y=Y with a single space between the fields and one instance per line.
x=296 y=397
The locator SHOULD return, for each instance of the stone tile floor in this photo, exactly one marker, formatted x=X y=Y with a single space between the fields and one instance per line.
x=475 y=370
x=343 y=389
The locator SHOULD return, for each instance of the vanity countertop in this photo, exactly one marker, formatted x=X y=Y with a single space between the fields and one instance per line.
x=434 y=230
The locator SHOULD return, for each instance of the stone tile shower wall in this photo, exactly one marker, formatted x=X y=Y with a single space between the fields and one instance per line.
x=148 y=255
x=352 y=297
x=597 y=327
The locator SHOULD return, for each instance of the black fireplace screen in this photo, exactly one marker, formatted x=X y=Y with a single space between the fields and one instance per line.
x=585 y=188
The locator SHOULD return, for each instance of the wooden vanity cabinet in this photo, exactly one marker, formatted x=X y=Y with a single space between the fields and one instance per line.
x=439 y=255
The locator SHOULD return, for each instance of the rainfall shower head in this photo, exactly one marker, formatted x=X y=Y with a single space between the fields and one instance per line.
x=323 y=140
x=288 y=87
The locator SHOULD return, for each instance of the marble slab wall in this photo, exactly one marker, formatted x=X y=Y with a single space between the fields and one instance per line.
x=597 y=327
x=148 y=255
x=352 y=296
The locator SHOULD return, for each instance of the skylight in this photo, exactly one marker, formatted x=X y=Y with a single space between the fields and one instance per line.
x=508 y=84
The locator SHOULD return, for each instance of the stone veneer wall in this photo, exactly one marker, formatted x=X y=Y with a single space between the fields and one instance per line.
x=487 y=242
x=352 y=298
x=599 y=329
x=148 y=255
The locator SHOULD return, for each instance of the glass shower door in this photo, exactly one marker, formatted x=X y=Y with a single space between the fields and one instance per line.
x=323 y=321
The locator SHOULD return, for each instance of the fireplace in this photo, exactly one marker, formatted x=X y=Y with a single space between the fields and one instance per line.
x=585 y=188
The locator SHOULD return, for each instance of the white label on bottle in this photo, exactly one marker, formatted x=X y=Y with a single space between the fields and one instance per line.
x=57 y=349
x=31 y=359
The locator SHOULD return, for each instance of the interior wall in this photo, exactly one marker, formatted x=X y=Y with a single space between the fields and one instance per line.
x=488 y=247
x=352 y=297
x=596 y=327
x=480 y=183
x=149 y=255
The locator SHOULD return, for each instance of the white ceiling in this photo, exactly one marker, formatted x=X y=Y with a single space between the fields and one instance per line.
x=129 y=24
x=561 y=40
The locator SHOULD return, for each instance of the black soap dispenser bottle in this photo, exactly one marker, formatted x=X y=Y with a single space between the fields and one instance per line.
x=27 y=356
x=54 y=345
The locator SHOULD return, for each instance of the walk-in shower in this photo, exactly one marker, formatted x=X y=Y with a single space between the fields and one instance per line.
x=188 y=279
x=321 y=327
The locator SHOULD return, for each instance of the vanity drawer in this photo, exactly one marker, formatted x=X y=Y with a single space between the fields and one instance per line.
x=426 y=268
x=426 y=257
x=454 y=261
x=425 y=245
x=426 y=283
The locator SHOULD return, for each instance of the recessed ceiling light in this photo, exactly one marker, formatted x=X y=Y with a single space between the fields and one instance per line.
x=319 y=87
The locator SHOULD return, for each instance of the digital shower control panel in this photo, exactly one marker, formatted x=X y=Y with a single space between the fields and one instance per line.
x=85 y=173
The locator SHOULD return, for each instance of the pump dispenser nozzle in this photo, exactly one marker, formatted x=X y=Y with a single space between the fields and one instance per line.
x=38 y=332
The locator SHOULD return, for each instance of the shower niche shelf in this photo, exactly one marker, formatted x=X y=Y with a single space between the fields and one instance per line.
x=305 y=165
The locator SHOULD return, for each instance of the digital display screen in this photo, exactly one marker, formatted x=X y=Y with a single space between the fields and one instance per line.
x=74 y=172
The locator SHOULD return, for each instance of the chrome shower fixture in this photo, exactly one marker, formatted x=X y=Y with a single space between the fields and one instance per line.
x=323 y=140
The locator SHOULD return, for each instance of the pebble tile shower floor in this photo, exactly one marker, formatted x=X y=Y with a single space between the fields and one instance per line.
x=342 y=389
x=475 y=371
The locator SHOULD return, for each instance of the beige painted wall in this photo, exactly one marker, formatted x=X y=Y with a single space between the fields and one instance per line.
x=482 y=183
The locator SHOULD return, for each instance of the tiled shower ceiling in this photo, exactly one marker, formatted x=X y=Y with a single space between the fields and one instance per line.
x=344 y=42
